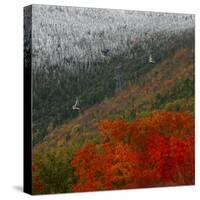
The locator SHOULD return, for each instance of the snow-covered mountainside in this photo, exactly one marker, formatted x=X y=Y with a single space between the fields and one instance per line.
x=66 y=36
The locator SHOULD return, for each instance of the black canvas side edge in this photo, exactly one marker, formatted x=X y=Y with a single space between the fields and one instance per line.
x=27 y=178
x=194 y=99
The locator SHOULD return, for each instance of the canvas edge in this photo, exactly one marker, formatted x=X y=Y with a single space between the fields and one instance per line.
x=27 y=97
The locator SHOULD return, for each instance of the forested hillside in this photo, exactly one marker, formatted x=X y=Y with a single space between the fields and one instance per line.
x=113 y=99
x=162 y=100
x=92 y=54
x=169 y=86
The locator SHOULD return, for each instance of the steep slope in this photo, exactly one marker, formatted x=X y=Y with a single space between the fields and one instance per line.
x=55 y=89
x=91 y=54
x=168 y=86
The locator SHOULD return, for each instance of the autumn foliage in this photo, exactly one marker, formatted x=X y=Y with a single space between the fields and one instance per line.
x=37 y=185
x=157 y=150
x=148 y=152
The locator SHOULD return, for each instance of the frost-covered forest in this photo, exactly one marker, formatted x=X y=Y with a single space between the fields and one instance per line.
x=92 y=54
x=66 y=36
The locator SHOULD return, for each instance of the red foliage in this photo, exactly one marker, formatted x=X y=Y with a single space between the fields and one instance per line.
x=152 y=151
x=37 y=185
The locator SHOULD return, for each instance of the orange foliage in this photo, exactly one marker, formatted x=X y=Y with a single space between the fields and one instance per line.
x=114 y=130
x=152 y=151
